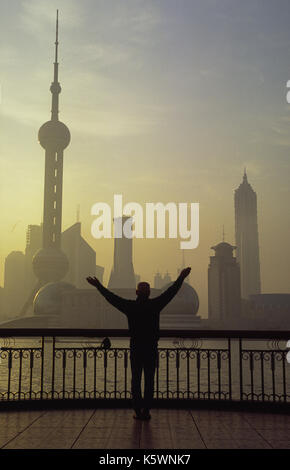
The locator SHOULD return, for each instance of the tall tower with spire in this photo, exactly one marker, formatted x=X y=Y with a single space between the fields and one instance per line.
x=50 y=263
x=247 y=240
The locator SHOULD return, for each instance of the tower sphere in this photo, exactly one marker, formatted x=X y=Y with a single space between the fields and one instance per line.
x=50 y=264
x=54 y=135
x=48 y=299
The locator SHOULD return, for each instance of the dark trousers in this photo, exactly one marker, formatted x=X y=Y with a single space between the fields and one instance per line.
x=143 y=359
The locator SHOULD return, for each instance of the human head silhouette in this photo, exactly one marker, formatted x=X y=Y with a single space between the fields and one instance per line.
x=143 y=290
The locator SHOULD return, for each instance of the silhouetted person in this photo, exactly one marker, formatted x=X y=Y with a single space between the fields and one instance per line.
x=143 y=320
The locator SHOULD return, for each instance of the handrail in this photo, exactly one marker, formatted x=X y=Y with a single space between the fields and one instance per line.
x=121 y=333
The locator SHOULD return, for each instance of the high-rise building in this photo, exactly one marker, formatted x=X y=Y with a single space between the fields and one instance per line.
x=33 y=239
x=224 y=287
x=100 y=272
x=122 y=275
x=81 y=257
x=50 y=263
x=247 y=241
x=33 y=244
x=14 y=276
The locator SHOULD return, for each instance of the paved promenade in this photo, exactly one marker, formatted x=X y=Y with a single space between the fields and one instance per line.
x=169 y=429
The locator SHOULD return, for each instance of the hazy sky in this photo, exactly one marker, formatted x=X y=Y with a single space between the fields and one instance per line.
x=166 y=100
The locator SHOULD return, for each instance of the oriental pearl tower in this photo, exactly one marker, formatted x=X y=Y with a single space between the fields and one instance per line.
x=50 y=264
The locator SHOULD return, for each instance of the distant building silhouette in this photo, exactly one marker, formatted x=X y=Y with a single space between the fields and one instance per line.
x=33 y=244
x=122 y=275
x=100 y=272
x=160 y=281
x=81 y=257
x=270 y=310
x=86 y=308
x=224 y=288
x=246 y=226
x=181 y=312
x=2 y=311
x=14 y=282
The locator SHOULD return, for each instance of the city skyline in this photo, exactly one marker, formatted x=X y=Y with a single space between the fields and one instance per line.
x=203 y=173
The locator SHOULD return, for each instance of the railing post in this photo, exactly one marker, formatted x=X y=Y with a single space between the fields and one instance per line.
x=53 y=367
x=188 y=373
x=241 y=367
x=115 y=372
x=125 y=370
x=105 y=373
x=20 y=374
x=157 y=374
x=167 y=373
x=284 y=376
x=10 y=356
x=230 y=367
x=177 y=372
x=42 y=368
x=198 y=372
x=85 y=371
x=273 y=374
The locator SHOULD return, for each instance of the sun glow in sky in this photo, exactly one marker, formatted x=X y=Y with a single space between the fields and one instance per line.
x=166 y=101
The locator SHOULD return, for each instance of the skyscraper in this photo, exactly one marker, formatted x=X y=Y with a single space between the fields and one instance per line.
x=50 y=263
x=122 y=275
x=81 y=256
x=14 y=278
x=224 y=287
x=33 y=244
x=246 y=226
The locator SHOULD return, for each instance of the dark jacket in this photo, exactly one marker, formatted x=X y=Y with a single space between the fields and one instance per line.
x=143 y=314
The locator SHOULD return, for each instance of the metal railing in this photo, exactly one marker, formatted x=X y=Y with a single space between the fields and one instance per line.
x=58 y=364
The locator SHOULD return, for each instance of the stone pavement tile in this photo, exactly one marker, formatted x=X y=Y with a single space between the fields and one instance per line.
x=65 y=418
x=110 y=417
x=221 y=444
x=91 y=431
x=93 y=442
x=253 y=444
x=7 y=433
x=277 y=434
x=156 y=444
x=19 y=419
x=41 y=438
x=277 y=444
x=268 y=420
x=123 y=443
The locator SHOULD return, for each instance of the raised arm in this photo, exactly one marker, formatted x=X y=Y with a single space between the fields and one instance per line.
x=121 y=304
x=163 y=299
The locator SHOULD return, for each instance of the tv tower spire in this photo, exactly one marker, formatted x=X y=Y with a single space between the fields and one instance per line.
x=55 y=86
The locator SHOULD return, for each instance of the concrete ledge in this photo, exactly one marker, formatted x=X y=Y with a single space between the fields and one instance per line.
x=271 y=407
